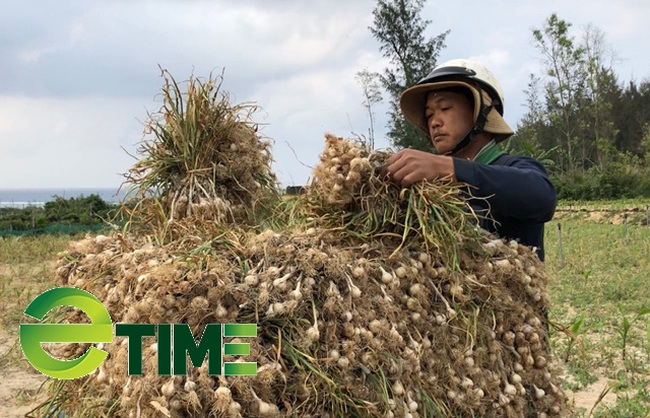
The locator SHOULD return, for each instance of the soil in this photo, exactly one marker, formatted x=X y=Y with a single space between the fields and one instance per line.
x=631 y=216
x=588 y=398
x=22 y=389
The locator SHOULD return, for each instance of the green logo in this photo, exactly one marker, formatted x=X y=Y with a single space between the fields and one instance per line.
x=100 y=330
x=175 y=341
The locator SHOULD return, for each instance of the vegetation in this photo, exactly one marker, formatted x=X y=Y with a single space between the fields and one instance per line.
x=601 y=308
x=203 y=157
x=371 y=96
x=401 y=34
x=89 y=210
x=354 y=285
x=614 y=180
x=591 y=130
x=26 y=270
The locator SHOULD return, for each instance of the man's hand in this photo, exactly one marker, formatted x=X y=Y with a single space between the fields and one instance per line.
x=411 y=166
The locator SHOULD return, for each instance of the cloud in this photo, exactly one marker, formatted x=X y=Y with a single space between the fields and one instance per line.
x=114 y=48
x=78 y=75
x=305 y=106
x=65 y=142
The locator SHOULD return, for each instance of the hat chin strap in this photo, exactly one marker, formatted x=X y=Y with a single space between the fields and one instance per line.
x=469 y=137
x=476 y=129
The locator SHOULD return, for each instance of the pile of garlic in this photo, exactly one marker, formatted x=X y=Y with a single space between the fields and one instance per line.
x=346 y=326
x=472 y=341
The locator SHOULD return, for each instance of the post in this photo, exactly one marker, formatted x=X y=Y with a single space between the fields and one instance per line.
x=559 y=234
x=625 y=228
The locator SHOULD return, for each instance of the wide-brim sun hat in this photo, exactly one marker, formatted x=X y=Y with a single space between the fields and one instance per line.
x=414 y=99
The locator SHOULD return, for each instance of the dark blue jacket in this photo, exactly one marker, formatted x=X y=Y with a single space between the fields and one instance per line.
x=515 y=193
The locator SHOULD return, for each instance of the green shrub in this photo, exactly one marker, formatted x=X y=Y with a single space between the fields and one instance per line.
x=613 y=181
x=90 y=211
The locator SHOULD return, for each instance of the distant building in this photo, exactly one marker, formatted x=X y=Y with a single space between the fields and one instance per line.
x=294 y=190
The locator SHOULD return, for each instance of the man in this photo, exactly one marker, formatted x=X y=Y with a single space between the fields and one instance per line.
x=459 y=105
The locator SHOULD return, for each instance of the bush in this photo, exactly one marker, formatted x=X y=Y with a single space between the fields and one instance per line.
x=87 y=211
x=612 y=181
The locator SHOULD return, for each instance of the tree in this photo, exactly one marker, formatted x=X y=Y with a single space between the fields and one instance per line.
x=87 y=210
x=401 y=34
x=631 y=113
x=371 y=95
x=532 y=134
x=581 y=92
x=600 y=90
x=565 y=68
x=534 y=120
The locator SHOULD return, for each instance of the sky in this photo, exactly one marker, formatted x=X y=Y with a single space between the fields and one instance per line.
x=78 y=78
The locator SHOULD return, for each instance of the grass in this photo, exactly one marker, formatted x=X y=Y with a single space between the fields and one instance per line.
x=599 y=296
x=26 y=270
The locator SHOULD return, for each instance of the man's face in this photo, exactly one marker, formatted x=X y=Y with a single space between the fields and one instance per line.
x=450 y=116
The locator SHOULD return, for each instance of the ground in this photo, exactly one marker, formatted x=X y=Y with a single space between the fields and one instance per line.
x=19 y=392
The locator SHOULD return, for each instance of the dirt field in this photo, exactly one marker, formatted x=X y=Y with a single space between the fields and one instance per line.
x=21 y=390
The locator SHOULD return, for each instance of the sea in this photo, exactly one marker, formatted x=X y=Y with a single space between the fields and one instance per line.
x=22 y=198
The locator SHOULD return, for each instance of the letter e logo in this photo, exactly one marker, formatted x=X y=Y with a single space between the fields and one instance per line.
x=100 y=330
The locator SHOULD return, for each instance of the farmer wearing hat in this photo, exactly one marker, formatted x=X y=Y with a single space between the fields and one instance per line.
x=459 y=105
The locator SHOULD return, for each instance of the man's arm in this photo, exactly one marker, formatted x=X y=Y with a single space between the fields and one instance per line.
x=520 y=190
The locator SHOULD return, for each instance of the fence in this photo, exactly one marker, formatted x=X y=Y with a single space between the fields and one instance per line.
x=54 y=229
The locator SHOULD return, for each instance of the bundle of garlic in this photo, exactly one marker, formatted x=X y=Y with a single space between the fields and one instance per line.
x=351 y=194
x=340 y=170
x=201 y=157
x=366 y=324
